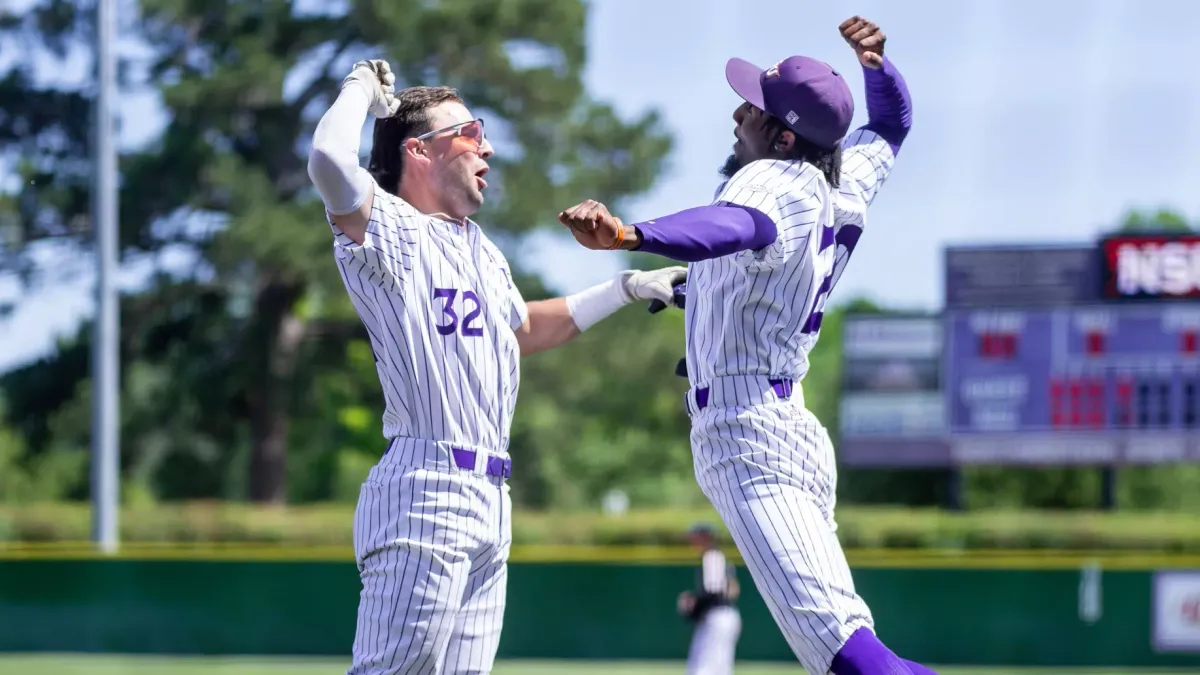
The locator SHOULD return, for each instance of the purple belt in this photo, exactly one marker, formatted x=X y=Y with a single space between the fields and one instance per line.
x=500 y=467
x=782 y=388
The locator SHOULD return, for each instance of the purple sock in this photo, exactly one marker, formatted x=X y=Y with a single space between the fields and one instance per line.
x=918 y=669
x=864 y=654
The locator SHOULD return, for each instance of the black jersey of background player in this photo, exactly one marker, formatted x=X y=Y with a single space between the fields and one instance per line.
x=716 y=584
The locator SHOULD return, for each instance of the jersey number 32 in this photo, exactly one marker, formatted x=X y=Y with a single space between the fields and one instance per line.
x=470 y=302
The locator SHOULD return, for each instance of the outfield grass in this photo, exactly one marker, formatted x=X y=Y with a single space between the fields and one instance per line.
x=136 y=665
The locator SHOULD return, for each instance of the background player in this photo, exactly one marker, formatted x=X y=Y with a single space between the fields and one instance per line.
x=765 y=256
x=447 y=325
x=711 y=608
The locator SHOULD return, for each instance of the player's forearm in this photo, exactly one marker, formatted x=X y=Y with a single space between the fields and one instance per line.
x=549 y=325
x=889 y=106
x=703 y=233
x=333 y=160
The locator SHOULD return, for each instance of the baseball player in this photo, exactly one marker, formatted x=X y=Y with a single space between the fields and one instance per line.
x=711 y=608
x=763 y=258
x=433 y=527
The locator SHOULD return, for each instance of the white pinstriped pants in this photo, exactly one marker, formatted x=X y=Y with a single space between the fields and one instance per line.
x=713 y=650
x=432 y=543
x=767 y=465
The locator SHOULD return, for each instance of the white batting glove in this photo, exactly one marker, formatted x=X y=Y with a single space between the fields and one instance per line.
x=654 y=284
x=376 y=76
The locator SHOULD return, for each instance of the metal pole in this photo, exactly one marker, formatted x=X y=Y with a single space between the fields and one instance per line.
x=105 y=341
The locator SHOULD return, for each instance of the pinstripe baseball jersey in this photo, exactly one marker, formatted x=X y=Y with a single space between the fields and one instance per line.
x=759 y=312
x=440 y=307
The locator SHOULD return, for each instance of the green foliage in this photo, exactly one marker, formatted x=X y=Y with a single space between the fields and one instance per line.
x=603 y=413
x=859 y=527
x=248 y=376
x=1162 y=220
x=241 y=379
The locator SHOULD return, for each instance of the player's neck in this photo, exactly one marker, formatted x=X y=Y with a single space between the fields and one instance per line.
x=424 y=201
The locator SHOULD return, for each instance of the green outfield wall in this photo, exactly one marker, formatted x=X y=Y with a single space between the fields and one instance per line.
x=1016 y=609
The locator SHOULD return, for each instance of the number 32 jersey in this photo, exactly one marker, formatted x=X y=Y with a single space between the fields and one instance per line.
x=441 y=309
x=759 y=312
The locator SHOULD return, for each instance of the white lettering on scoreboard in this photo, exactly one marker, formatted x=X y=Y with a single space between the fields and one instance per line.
x=997 y=322
x=1093 y=321
x=893 y=337
x=1170 y=268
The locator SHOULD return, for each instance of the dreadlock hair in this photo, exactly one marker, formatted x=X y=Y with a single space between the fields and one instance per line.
x=410 y=120
x=827 y=160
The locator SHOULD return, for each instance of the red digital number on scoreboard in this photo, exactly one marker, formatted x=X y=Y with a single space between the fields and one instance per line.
x=1077 y=402
x=997 y=345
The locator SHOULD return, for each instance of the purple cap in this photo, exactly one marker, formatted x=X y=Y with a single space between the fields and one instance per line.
x=807 y=95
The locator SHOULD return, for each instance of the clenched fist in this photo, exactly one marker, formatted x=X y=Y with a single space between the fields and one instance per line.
x=376 y=75
x=594 y=227
x=866 y=39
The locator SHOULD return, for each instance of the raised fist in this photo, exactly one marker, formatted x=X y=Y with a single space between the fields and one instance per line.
x=866 y=39
x=376 y=75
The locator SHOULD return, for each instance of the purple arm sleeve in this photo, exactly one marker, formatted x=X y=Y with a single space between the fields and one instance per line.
x=707 y=232
x=889 y=107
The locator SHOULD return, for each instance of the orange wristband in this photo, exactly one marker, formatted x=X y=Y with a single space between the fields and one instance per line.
x=620 y=235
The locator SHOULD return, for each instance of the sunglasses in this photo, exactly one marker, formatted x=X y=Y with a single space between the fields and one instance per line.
x=471 y=130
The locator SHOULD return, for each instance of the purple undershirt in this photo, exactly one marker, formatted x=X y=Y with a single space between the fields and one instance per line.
x=706 y=232
x=889 y=106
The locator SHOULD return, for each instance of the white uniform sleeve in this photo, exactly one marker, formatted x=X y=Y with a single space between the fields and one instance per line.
x=785 y=193
x=867 y=161
x=518 y=311
x=389 y=243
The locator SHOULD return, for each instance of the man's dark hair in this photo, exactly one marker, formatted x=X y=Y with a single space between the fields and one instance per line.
x=410 y=120
x=827 y=160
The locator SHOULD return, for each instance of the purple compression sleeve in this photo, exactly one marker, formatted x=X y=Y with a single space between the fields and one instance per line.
x=889 y=106
x=707 y=232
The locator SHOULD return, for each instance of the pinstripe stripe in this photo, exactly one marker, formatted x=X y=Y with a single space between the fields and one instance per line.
x=432 y=539
x=765 y=462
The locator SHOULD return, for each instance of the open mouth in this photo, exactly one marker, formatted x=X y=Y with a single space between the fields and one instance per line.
x=479 y=177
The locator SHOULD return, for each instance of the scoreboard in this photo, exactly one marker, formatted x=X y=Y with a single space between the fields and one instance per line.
x=1084 y=385
x=1129 y=367
x=1057 y=355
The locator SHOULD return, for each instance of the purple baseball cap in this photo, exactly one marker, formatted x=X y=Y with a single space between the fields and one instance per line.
x=807 y=95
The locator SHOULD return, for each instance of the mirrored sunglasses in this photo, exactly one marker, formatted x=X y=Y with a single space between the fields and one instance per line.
x=471 y=130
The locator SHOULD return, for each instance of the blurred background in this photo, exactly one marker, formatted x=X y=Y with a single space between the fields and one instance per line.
x=1010 y=373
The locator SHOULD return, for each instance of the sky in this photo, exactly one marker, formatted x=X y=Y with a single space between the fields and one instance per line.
x=1033 y=121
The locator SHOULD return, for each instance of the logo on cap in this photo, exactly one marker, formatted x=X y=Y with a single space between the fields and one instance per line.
x=791 y=117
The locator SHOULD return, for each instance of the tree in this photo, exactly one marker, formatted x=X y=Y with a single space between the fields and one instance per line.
x=1162 y=220
x=244 y=82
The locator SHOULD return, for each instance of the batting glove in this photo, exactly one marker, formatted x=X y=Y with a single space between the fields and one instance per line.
x=658 y=286
x=376 y=76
